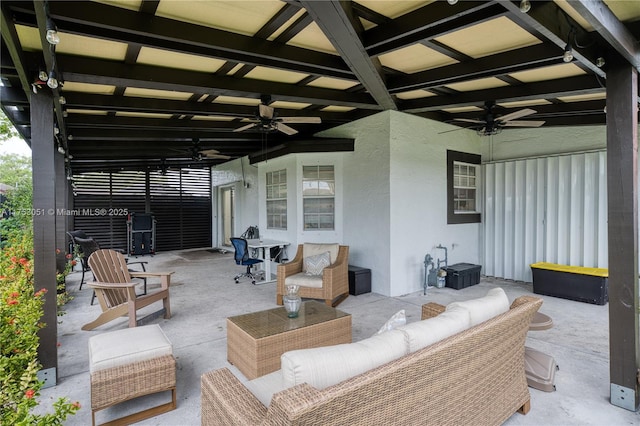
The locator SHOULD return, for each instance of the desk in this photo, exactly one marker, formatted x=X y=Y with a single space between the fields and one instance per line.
x=264 y=252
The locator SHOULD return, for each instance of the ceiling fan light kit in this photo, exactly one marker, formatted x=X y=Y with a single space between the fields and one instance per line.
x=492 y=124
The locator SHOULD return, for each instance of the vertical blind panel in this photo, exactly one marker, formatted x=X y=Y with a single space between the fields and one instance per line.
x=544 y=210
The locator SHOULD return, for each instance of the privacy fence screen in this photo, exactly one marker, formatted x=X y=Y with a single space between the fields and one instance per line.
x=180 y=201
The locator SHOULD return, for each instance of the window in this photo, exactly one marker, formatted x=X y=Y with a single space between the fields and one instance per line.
x=318 y=197
x=277 y=199
x=462 y=187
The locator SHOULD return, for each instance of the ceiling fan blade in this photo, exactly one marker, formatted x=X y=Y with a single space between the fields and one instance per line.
x=286 y=129
x=470 y=120
x=517 y=114
x=315 y=120
x=209 y=151
x=248 y=126
x=218 y=157
x=265 y=111
x=523 y=123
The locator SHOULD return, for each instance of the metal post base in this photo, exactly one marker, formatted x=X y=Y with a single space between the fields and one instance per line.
x=47 y=376
x=623 y=397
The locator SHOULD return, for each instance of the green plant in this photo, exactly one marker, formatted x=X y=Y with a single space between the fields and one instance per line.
x=21 y=309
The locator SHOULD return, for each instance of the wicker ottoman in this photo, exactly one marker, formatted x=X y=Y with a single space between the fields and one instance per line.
x=129 y=363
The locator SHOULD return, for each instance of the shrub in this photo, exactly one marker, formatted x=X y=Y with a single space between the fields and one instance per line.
x=21 y=308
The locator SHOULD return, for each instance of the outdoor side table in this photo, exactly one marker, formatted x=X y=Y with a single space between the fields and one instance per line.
x=539 y=367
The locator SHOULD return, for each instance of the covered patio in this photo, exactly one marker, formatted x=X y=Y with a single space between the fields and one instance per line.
x=203 y=295
x=140 y=99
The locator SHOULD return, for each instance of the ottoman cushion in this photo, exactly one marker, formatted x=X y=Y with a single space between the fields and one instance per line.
x=126 y=346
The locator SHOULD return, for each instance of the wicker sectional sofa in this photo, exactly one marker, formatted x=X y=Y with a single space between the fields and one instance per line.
x=475 y=376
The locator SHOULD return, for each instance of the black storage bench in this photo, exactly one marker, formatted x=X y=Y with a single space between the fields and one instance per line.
x=582 y=284
x=462 y=275
x=359 y=280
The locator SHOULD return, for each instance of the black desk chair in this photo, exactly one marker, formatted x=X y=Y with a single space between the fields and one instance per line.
x=241 y=257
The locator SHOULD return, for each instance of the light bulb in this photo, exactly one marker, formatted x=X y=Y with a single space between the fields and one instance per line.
x=62 y=100
x=600 y=62
x=52 y=82
x=568 y=55
x=525 y=6
x=61 y=150
x=452 y=2
x=53 y=37
x=42 y=75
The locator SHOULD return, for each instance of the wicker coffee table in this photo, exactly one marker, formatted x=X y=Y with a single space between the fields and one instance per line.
x=255 y=341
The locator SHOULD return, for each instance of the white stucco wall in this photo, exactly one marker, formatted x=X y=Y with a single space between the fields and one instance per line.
x=418 y=180
x=366 y=213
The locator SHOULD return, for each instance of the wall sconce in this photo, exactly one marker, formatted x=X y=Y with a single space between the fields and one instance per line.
x=525 y=6
x=568 y=49
x=52 y=82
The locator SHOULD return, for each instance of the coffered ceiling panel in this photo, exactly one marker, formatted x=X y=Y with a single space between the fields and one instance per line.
x=175 y=72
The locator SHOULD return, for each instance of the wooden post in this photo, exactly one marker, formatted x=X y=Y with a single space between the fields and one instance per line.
x=622 y=189
x=43 y=151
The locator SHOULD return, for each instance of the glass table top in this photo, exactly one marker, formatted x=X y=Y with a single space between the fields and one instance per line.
x=275 y=321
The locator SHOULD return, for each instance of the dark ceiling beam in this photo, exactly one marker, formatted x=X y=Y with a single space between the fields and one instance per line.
x=97 y=71
x=554 y=24
x=149 y=6
x=13 y=96
x=540 y=90
x=428 y=22
x=161 y=135
x=598 y=14
x=559 y=110
x=303 y=146
x=11 y=41
x=96 y=122
x=502 y=63
x=118 y=24
x=338 y=22
x=77 y=100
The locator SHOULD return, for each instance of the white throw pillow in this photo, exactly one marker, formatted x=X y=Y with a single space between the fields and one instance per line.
x=485 y=308
x=423 y=333
x=329 y=365
x=397 y=320
x=313 y=265
x=311 y=249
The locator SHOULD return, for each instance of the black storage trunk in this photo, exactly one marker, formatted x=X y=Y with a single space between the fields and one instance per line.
x=577 y=283
x=462 y=275
x=359 y=280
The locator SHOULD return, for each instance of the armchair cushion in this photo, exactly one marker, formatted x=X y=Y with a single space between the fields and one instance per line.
x=326 y=366
x=304 y=280
x=484 y=308
x=312 y=249
x=265 y=386
x=313 y=265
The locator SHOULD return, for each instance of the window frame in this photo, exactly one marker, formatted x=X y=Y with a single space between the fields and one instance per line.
x=452 y=216
x=319 y=196
x=280 y=172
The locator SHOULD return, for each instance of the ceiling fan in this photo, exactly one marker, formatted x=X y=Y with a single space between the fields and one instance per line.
x=197 y=153
x=492 y=123
x=267 y=119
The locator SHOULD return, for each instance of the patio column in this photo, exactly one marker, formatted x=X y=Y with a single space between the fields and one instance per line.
x=61 y=205
x=622 y=189
x=43 y=152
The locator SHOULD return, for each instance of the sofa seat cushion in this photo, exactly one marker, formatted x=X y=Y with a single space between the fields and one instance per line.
x=313 y=249
x=122 y=347
x=304 y=280
x=423 y=333
x=329 y=365
x=484 y=308
x=265 y=386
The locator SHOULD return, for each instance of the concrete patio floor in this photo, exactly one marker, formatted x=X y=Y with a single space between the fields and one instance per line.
x=203 y=294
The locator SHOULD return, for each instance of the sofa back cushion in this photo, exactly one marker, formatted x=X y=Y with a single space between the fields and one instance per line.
x=313 y=249
x=329 y=365
x=484 y=308
x=423 y=333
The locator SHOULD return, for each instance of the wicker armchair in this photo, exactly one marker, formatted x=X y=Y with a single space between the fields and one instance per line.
x=335 y=278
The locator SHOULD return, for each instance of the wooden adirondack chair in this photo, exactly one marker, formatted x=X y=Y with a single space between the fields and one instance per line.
x=116 y=293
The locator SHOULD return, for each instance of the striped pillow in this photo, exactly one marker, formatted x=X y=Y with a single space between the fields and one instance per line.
x=313 y=265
